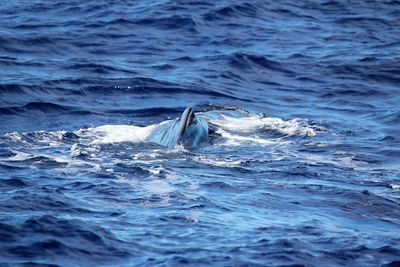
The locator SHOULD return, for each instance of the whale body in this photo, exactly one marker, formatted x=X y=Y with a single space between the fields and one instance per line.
x=189 y=130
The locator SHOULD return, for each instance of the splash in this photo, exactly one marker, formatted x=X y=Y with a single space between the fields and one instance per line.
x=253 y=122
x=108 y=134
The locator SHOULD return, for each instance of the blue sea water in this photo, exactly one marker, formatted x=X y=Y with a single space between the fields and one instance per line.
x=304 y=98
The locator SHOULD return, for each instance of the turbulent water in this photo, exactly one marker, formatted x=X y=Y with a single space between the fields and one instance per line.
x=303 y=167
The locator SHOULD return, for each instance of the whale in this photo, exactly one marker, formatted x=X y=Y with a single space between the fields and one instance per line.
x=188 y=130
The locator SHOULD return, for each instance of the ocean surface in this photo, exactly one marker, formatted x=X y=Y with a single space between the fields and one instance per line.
x=303 y=168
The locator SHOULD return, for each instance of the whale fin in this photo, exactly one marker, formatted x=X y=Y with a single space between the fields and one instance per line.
x=189 y=131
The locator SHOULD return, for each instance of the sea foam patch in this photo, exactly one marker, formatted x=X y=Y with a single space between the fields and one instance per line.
x=108 y=134
x=253 y=122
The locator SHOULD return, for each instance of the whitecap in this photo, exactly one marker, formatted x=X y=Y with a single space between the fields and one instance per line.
x=251 y=123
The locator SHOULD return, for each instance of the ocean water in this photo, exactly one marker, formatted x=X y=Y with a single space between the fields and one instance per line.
x=303 y=168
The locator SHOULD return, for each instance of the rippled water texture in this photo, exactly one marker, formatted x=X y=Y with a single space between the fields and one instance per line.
x=301 y=167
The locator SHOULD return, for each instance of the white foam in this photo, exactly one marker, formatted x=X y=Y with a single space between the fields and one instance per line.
x=169 y=183
x=108 y=134
x=350 y=161
x=159 y=187
x=219 y=162
x=122 y=179
x=49 y=138
x=75 y=151
x=155 y=170
x=16 y=137
x=19 y=156
x=91 y=151
x=253 y=122
x=395 y=186
x=235 y=139
x=22 y=156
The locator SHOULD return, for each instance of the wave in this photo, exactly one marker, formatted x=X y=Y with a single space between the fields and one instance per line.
x=363 y=21
x=248 y=10
x=33 y=45
x=32 y=108
x=97 y=68
x=386 y=72
x=19 y=89
x=150 y=87
x=249 y=61
x=15 y=62
x=46 y=107
x=148 y=112
x=10 y=111
x=174 y=22
x=73 y=239
x=13 y=182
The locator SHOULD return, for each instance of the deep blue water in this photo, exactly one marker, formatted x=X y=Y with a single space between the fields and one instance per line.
x=304 y=169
